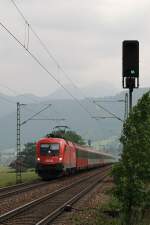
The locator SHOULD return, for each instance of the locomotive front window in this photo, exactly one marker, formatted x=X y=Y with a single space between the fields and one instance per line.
x=49 y=149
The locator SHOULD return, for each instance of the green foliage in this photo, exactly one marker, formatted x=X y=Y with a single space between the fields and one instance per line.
x=8 y=177
x=67 y=135
x=27 y=157
x=132 y=173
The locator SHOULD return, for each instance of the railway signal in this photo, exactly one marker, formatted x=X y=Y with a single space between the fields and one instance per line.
x=130 y=59
x=130 y=66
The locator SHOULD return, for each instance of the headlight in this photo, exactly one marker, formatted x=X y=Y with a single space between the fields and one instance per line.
x=38 y=159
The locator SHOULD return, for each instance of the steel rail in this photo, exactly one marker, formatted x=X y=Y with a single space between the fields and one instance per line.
x=23 y=187
x=16 y=189
x=22 y=209
x=52 y=216
x=11 y=187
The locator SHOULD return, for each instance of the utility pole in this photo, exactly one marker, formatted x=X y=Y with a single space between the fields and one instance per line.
x=130 y=99
x=18 y=160
x=126 y=106
x=19 y=124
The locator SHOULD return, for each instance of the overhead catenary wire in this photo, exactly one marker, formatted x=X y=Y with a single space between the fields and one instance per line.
x=51 y=119
x=10 y=89
x=7 y=100
x=25 y=108
x=43 y=45
x=114 y=115
x=30 y=118
x=57 y=63
x=43 y=67
x=37 y=36
x=17 y=94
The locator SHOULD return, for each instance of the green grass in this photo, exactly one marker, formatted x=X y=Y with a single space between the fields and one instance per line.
x=8 y=176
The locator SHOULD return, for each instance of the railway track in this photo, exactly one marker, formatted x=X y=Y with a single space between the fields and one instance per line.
x=43 y=210
x=15 y=189
x=24 y=187
x=22 y=194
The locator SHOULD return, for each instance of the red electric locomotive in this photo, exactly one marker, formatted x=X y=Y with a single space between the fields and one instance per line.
x=56 y=156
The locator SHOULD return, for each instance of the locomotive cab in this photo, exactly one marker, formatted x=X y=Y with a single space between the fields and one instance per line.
x=49 y=152
x=49 y=158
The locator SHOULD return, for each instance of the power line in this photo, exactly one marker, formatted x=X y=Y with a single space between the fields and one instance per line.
x=7 y=100
x=114 y=115
x=27 y=109
x=103 y=117
x=43 y=44
x=23 y=17
x=43 y=67
x=30 y=118
x=50 y=119
x=10 y=89
x=56 y=62
x=14 y=103
x=17 y=94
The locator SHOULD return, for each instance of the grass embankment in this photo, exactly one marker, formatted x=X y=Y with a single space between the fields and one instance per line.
x=101 y=209
x=97 y=213
x=8 y=176
x=102 y=214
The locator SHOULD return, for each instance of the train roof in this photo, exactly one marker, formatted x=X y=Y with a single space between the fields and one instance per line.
x=90 y=149
x=58 y=140
x=81 y=147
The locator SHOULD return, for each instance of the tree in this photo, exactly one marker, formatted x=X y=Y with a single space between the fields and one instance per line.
x=132 y=173
x=27 y=157
x=67 y=135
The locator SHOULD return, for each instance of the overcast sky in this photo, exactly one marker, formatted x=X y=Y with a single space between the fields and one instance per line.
x=84 y=36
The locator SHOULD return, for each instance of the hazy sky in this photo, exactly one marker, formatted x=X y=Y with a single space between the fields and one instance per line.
x=84 y=36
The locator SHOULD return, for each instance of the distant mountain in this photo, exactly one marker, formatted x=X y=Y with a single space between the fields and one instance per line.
x=8 y=103
x=93 y=90
x=100 y=89
x=28 y=98
x=77 y=118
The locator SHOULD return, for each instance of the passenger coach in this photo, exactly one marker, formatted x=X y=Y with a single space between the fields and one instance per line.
x=56 y=156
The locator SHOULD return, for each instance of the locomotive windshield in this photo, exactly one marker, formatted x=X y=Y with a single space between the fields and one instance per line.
x=49 y=149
